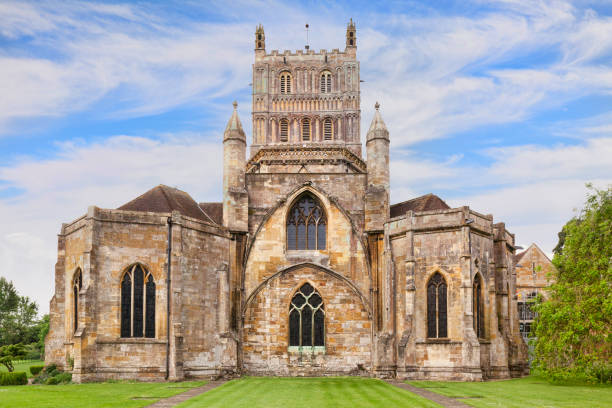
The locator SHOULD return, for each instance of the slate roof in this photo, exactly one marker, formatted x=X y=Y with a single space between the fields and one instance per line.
x=214 y=211
x=164 y=199
x=424 y=203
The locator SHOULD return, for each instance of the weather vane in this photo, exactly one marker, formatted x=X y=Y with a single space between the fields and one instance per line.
x=307 y=42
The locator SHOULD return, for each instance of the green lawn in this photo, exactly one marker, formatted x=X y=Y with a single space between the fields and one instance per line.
x=523 y=392
x=121 y=394
x=25 y=366
x=350 y=392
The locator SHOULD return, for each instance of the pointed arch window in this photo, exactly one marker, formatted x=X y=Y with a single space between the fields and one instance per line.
x=436 y=307
x=77 y=284
x=285 y=83
x=328 y=129
x=478 y=306
x=137 y=303
x=326 y=82
x=305 y=129
x=306 y=225
x=306 y=319
x=284 y=130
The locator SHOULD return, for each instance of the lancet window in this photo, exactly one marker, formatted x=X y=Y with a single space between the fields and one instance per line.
x=436 y=307
x=77 y=284
x=285 y=83
x=284 y=130
x=306 y=318
x=306 y=129
x=137 y=303
x=328 y=129
x=478 y=307
x=306 y=225
x=326 y=82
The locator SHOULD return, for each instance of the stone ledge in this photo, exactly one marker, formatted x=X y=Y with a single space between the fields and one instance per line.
x=130 y=341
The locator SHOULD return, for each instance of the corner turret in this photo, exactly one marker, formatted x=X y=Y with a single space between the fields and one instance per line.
x=260 y=40
x=377 y=193
x=235 y=198
x=351 y=38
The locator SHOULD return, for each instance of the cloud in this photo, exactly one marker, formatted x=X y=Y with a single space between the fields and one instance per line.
x=105 y=174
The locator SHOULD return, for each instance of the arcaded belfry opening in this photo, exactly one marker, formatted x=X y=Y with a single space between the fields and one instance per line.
x=306 y=225
x=137 y=303
x=306 y=319
x=284 y=130
x=436 y=307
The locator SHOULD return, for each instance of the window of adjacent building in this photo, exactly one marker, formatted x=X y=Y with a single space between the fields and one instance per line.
x=284 y=130
x=306 y=225
x=137 y=303
x=328 y=129
x=285 y=83
x=436 y=307
x=326 y=82
x=478 y=306
x=77 y=284
x=306 y=129
x=306 y=318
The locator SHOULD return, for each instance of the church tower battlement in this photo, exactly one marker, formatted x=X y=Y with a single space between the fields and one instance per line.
x=306 y=98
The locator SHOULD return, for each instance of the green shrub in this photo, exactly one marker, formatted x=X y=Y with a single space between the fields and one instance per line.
x=35 y=369
x=18 y=378
x=64 y=378
x=51 y=375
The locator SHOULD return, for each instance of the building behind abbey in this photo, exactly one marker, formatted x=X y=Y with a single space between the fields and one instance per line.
x=305 y=268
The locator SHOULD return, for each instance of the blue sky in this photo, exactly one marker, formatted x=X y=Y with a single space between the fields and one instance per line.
x=504 y=106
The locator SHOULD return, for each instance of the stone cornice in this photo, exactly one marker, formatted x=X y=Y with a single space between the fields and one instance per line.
x=315 y=153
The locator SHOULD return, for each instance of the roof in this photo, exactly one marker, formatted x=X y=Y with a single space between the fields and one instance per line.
x=424 y=203
x=164 y=199
x=534 y=246
x=214 y=211
x=519 y=256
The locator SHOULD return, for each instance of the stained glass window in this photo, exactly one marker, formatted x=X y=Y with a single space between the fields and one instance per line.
x=307 y=318
x=436 y=307
x=137 y=303
x=306 y=225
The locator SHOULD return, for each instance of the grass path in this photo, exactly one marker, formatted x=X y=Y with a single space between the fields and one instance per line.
x=100 y=395
x=341 y=392
x=523 y=392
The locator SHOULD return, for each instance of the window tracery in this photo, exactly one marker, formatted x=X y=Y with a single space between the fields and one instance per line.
x=306 y=318
x=326 y=82
x=137 y=303
x=306 y=129
x=306 y=225
x=436 y=307
x=285 y=83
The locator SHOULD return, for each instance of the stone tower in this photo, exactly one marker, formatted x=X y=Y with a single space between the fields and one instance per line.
x=235 y=200
x=306 y=97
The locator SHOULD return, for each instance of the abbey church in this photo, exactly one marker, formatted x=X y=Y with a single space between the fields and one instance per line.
x=304 y=269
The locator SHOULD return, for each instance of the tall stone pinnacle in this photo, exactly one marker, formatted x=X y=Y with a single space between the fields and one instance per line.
x=234 y=130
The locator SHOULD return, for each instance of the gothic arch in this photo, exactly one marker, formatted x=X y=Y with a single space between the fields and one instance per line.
x=325 y=198
x=290 y=268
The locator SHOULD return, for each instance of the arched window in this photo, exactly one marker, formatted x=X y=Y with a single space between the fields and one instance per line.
x=306 y=318
x=285 y=83
x=436 y=307
x=328 y=129
x=478 y=307
x=326 y=82
x=306 y=224
x=77 y=284
x=306 y=129
x=284 y=130
x=137 y=303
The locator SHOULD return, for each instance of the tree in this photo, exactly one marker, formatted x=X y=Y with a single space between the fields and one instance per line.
x=18 y=316
x=574 y=326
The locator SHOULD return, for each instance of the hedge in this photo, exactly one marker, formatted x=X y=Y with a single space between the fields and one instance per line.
x=14 y=378
x=35 y=369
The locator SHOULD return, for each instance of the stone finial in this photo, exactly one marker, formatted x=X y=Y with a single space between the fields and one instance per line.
x=378 y=128
x=234 y=130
